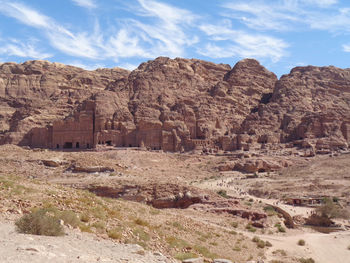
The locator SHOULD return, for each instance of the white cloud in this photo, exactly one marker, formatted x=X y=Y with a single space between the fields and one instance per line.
x=346 y=48
x=320 y=3
x=241 y=44
x=90 y=4
x=164 y=34
x=128 y=66
x=25 y=14
x=80 y=64
x=287 y=15
x=23 y=50
x=167 y=13
x=80 y=44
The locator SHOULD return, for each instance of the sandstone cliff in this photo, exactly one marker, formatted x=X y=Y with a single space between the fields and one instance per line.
x=174 y=104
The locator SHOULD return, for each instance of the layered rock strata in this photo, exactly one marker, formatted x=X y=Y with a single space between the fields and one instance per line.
x=175 y=105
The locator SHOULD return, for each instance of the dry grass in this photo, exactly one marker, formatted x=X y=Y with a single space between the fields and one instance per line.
x=40 y=222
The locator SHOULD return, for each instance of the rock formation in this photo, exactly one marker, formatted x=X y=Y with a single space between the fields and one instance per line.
x=175 y=105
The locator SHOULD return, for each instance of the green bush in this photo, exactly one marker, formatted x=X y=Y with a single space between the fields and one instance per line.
x=40 y=222
x=301 y=242
x=222 y=193
x=330 y=209
x=306 y=260
x=280 y=228
x=250 y=228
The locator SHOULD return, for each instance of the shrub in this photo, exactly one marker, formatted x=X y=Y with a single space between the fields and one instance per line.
x=329 y=209
x=175 y=242
x=141 y=222
x=306 y=260
x=222 y=193
x=40 y=222
x=280 y=251
x=183 y=256
x=69 y=218
x=268 y=244
x=270 y=211
x=261 y=244
x=114 y=233
x=280 y=228
x=234 y=224
x=236 y=248
x=84 y=218
x=143 y=236
x=250 y=228
x=301 y=242
x=204 y=251
x=85 y=228
x=255 y=239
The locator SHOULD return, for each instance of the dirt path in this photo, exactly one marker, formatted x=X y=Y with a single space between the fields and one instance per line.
x=323 y=248
x=73 y=247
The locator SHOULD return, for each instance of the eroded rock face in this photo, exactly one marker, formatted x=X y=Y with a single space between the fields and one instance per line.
x=175 y=105
x=37 y=93
x=309 y=107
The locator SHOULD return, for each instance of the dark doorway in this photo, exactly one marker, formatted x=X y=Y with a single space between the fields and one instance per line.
x=88 y=146
x=77 y=145
x=109 y=143
x=68 y=145
x=130 y=145
x=57 y=146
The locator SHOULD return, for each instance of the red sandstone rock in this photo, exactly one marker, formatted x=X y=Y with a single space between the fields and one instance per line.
x=175 y=105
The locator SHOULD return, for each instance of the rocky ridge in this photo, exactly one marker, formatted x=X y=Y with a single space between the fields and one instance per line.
x=182 y=104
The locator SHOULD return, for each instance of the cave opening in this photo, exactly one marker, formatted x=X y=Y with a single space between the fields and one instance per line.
x=68 y=145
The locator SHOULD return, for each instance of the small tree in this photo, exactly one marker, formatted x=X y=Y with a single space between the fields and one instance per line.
x=330 y=209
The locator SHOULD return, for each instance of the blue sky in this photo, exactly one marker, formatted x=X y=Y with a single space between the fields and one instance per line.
x=281 y=34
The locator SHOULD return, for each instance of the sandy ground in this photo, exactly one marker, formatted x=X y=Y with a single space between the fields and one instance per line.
x=73 y=247
x=323 y=248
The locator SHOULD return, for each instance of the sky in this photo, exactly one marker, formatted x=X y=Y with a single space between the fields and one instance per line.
x=91 y=34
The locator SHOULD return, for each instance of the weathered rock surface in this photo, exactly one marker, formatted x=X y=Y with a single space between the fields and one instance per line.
x=175 y=105
x=73 y=247
x=309 y=107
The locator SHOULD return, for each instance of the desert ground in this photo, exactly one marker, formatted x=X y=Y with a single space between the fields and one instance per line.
x=135 y=205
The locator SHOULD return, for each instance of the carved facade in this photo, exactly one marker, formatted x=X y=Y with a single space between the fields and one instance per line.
x=85 y=129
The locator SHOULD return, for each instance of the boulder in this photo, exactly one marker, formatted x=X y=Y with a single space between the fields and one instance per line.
x=51 y=163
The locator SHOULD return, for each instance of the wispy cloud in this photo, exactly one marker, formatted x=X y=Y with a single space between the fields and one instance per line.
x=80 y=64
x=166 y=29
x=289 y=15
x=240 y=43
x=90 y=4
x=346 y=48
x=80 y=44
x=164 y=33
x=160 y=29
x=25 y=14
x=23 y=50
x=320 y=3
x=128 y=66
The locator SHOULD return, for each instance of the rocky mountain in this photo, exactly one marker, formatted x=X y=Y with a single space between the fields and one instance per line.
x=174 y=104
